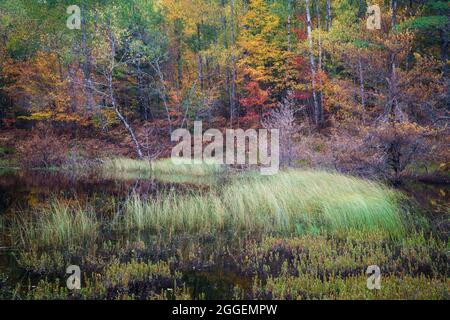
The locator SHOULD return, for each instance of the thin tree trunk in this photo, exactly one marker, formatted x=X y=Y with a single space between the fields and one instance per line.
x=329 y=19
x=319 y=40
x=179 y=55
x=200 y=70
x=131 y=132
x=155 y=65
x=392 y=106
x=397 y=110
x=199 y=58
x=112 y=97
x=208 y=72
x=122 y=118
x=73 y=79
x=225 y=44
x=233 y=65
x=317 y=107
x=393 y=5
x=289 y=26
x=444 y=50
x=361 y=87
x=87 y=63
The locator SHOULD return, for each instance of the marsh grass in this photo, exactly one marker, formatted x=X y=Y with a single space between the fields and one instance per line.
x=58 y=225
x=290 y=202
x=302 y=267
x=294 y=235
x=347 y=255
x=158 y=167
x=393 y=287
x=163 y=170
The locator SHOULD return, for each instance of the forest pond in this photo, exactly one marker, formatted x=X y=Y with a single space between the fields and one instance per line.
x=211 y=275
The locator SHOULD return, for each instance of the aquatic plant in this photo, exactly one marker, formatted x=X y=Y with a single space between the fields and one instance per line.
x=353 y=287
x=160 y=166
x=287 y=203
x=57 y=225
x=299 y=229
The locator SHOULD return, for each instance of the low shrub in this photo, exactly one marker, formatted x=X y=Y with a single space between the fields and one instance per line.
x=43 y=150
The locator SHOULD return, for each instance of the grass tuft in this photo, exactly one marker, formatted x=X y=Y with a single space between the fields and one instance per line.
x=162 y=166
x=287 y=203
x=59 y=225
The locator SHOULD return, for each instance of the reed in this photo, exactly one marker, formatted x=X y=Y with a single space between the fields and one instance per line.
x=58 y=225
x=159 y=167
x=290 y=202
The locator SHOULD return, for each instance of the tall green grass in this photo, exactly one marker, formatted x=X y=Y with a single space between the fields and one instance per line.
x=161 y=166
x=58 y=225
x=290 y=202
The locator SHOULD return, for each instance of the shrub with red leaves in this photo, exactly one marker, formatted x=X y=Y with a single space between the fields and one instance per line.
x=43 y=150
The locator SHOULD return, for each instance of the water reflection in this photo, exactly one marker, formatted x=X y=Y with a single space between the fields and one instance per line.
x=25 y=189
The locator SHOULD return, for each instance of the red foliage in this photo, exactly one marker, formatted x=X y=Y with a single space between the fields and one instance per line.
x=44 y=149
x=301 y=33
x=303 y=74
x=256 y=97
x=250 y=120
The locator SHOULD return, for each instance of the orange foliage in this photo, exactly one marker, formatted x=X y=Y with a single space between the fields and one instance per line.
x=40 y=85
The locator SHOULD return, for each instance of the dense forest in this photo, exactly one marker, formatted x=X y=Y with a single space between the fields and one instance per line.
x=356 y=99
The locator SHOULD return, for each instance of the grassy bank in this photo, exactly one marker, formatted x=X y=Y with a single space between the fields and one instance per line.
x=161 y=166
x=58 y=225
x=163 y=170
x=291 y=202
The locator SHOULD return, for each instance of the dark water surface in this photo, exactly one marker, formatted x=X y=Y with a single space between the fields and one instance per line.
x=27 y=191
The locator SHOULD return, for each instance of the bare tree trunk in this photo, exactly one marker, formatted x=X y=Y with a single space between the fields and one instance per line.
x=225 y=44
x=319 y=40
x=199 y=58
x=87 y=64
x=122 y=118
x=394 y=90
x=392 y=106
x=163 y=93
x=200 y=70
x=180 y=69
x=289 y=26
x=73 y=79
x=329 y=18
x=318 y=114
x=179 y=54
x=233 y=65
x=444 y=50
x=130 y=131
x=393 y=5
x=208 y=72
x=112 y=97
x=361 y=87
